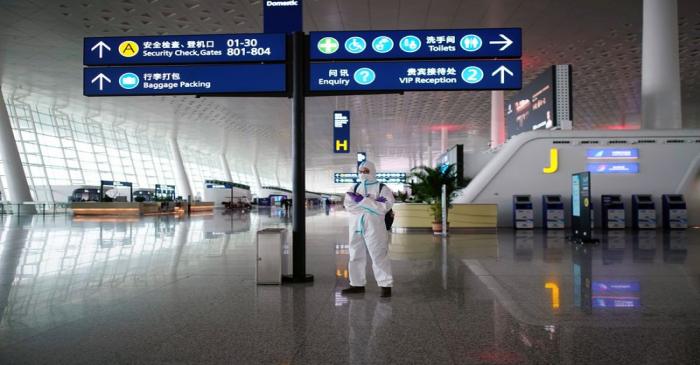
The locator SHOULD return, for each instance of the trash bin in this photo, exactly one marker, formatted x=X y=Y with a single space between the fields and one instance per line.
x=270 y=244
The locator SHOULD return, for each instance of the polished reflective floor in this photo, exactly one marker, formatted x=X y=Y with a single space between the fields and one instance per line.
x=166 y=290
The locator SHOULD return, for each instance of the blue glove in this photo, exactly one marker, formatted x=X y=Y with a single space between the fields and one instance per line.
x=381 y=199
x=356 y=197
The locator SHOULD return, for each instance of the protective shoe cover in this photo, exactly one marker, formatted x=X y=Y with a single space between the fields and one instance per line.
x=353 y=290
x=386 y=292
x=368 y=231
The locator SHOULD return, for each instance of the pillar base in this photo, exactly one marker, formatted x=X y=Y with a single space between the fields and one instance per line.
x=290 y=279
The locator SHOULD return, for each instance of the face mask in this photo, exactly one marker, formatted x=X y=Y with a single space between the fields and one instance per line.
x=363 y=177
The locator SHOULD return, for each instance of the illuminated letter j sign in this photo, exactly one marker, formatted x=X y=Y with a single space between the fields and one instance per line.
x=553 y=162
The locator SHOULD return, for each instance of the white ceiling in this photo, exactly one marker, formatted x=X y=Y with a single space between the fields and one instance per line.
x=41 y=60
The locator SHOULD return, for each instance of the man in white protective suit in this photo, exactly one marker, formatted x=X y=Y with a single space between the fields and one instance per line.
x=368 y=202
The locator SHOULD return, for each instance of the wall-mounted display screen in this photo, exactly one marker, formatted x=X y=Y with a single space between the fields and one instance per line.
x=165 y=191
x=454 y=155
x=532 y=108
x=542 y=104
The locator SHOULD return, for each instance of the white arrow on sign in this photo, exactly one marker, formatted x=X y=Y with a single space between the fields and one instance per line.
x=506 y=42
x=100 y=46
x=503 y=70
x=102 y=78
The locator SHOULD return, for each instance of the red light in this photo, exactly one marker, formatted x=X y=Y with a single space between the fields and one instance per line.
x=449 y=127
x=622 y=127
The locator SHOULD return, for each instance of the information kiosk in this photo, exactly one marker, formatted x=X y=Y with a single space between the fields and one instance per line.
x=674 y=211
x=581 y=217
x=643 y=212
x=613 y=212
x=523 y=212
x=552 y=212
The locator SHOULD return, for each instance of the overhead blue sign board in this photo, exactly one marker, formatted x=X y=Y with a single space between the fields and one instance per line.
x=282 y=16
x=612 y=154
x=416 y=44
x=341 y=131
x=178 y=80
x=613 y=168
x=382 y=177
x=415 y=75
x=183 y=49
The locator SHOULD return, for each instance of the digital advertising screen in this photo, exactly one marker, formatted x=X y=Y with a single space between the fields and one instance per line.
x=454 y=155
x=165 y=191
x=576 y=195
x=581 y=206
x=532 y=108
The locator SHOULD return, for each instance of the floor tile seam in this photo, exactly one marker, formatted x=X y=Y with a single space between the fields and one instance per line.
x=297 y=350
x=71 y=322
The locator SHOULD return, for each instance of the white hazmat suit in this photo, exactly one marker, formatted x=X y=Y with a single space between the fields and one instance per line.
x=367 y=229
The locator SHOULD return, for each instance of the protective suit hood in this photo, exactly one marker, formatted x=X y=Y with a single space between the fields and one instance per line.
x=372 y=176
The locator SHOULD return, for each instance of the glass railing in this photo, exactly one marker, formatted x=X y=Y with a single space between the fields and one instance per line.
x=30 y=208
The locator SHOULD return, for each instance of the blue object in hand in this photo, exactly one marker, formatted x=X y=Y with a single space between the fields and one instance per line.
x=381 y=199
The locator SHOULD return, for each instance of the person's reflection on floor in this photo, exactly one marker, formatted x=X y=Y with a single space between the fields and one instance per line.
x=368 y=321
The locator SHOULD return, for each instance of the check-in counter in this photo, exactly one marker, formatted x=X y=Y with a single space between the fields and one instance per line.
x=122 y=208
x=202 y=207
x=110 y=209
x=409 y=216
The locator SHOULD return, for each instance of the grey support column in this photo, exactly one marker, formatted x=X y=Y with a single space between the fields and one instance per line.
x=224 y=160
x=257 y=176
x=443 y=139
x=430 y=148
x=181 y=178
x=18 y=189
x=661 y=85
x=225 y=167
x=498 y=121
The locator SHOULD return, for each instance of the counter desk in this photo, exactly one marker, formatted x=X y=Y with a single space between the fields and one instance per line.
x=417 y=216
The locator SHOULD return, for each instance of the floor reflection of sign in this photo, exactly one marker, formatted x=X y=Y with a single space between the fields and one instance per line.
x=616 y=294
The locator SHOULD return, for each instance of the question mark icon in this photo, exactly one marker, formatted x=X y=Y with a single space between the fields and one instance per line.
x=364 y=76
